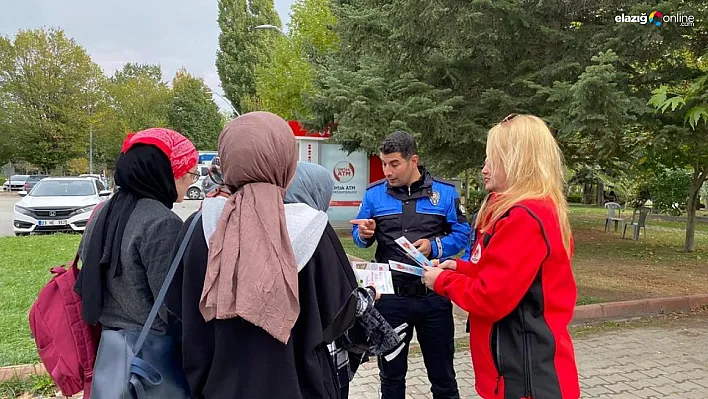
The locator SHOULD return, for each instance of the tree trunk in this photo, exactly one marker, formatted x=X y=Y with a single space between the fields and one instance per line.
x=587 y=193
x=600 y=194
x=696 y=184
x=691 y=222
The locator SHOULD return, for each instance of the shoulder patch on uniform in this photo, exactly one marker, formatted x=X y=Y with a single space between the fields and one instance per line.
x=376 y=183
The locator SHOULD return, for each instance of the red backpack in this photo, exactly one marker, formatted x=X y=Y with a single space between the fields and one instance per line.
x=67 y=345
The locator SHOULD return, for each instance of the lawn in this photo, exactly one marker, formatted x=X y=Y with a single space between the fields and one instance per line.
x=606 y=268
x=609 y=268
x=25 y=264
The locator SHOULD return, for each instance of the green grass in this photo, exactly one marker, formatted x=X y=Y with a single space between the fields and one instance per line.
x=25 y=263
x=364 y=253
x=40 y=385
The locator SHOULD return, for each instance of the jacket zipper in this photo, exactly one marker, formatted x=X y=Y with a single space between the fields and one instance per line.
x=498 y=359
x=528 y=383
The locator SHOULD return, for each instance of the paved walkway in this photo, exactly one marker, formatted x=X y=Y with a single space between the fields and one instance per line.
x=667 y=361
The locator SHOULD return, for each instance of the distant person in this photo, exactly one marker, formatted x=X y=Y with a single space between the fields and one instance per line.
x=518 y=286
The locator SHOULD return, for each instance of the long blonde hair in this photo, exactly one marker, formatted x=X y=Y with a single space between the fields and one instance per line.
x=528 y=154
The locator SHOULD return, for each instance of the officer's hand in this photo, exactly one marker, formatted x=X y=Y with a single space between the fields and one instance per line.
x=367 y=227
x=449 y=265
x=430 y=274
x=423 y=246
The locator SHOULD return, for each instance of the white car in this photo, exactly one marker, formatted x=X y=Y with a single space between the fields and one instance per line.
x=58 y=204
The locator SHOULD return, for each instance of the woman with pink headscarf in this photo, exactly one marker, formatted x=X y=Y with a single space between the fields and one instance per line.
x=126 y=249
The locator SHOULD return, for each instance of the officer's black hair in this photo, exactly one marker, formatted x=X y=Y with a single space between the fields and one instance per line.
x=399 y=141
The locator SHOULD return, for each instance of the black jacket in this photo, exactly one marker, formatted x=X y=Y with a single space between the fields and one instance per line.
x=234 y=359
x=430 y=208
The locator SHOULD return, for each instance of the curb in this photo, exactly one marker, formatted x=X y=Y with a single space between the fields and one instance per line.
x=637 y=308
x=21 y=372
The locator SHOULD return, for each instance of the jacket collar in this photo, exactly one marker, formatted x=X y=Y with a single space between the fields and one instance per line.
x=422 y=187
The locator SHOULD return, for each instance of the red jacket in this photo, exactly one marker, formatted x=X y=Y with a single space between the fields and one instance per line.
x=520 y=293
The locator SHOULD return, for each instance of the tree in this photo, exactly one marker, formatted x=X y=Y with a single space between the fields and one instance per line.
x=47 y=82
x=140 y=97
x=283 y=83
x=193 y=111
x=242 y=49
x=489 y=56
x=135 y=99
x=677 y=145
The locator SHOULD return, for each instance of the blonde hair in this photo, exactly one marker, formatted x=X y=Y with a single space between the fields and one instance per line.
x=528 y=154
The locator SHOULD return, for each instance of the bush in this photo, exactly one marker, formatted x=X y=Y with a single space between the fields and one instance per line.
x=2 y=180
x=669 y=191
x=575 y=199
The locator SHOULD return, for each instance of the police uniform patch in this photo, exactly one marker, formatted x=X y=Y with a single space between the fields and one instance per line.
x=435 y=198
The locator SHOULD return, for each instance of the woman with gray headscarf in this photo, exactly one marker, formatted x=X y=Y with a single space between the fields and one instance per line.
x=260 y=292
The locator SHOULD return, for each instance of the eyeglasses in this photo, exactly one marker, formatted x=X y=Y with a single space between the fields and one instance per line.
x=195 y=176
x=554 y=131
x=509 y=117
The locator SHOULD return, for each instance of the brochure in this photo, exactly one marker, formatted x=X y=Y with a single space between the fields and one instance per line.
x=381 y=280
x=413 y=252
x=405 y=268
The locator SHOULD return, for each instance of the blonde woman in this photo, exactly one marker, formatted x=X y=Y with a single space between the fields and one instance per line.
x=518 y=286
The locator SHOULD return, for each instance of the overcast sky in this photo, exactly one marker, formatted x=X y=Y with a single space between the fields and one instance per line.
x=172 y=33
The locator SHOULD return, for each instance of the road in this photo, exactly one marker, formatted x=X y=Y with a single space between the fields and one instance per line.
x=8 y=200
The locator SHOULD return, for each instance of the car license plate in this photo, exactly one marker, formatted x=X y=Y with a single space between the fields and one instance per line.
x=52 y=222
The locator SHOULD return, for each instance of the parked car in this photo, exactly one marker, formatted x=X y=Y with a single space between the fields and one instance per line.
x=32 y=180
x=99 y=177
x=15 y=183
x=58 y=204
x=195 y=191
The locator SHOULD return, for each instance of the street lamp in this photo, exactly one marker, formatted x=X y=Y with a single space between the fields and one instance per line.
x=225 y=99
x=272 y=27
x=90 y=141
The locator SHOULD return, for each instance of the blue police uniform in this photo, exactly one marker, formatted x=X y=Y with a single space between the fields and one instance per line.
x=429 y=209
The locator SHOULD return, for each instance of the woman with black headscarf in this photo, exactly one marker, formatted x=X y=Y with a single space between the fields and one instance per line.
x=126 y=249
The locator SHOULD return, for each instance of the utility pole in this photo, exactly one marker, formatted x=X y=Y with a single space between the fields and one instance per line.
x=90 y=141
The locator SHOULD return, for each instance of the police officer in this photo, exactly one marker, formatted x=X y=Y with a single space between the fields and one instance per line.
x=427 y=211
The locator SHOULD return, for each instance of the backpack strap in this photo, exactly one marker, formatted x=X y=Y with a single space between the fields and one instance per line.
x=166 y=285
